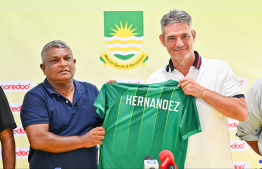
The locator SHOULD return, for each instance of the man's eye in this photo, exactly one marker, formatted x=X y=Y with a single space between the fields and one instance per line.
x=68 y=58
x=54 y=60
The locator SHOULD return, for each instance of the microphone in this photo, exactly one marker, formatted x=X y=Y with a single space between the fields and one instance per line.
x=149 y=163
x=167 y=160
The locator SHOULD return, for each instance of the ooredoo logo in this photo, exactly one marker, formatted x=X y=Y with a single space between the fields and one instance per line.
x=15 y=107
x=241 y=165
x=232 y=124
x=21 y=152
x=239 y=145
x=19 y=131
x=17 y=86
x=243 y=81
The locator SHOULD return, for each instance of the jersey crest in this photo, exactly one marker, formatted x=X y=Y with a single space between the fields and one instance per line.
x=124 y=35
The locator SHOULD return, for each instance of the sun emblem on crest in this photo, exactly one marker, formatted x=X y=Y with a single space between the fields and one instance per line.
x=123 y=32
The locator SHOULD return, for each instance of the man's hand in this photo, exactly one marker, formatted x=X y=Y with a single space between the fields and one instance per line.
x=111 y=81
x=41 y=139
x=190 y=87
x=93 y=137
x=232 y=107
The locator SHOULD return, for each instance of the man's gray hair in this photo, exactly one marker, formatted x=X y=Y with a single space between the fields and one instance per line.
x=176 y=16
x=54 y=43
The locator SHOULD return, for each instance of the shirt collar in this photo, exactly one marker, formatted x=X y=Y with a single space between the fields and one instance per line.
x=78 y=87
x=197 y=62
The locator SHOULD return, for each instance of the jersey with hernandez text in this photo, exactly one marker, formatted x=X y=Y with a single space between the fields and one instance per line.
x=142 y=120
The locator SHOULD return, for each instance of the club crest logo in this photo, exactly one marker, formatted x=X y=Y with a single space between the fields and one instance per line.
x=124 y=35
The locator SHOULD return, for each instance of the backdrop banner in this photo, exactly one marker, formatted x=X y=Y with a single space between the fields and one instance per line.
x=120 y=40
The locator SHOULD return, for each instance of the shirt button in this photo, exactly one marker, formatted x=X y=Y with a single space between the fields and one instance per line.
x=67 y=101
x=58 y=95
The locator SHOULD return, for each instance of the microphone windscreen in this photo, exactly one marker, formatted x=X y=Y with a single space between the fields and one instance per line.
x=171 y=167
x=163 y=154
x=148 y=158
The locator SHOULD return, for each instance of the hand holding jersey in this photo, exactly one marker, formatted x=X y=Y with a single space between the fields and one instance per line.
x=93 y=137
x=190 y=87
x=229 y=106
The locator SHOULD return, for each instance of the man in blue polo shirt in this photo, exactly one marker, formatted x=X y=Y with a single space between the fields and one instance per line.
x=59 y=117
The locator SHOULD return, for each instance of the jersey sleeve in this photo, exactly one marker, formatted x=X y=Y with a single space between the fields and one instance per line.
x=101 y=119
x=230 y=84
x=100 y=102
x=33 y=110
x=6 y=117
x=190 y=123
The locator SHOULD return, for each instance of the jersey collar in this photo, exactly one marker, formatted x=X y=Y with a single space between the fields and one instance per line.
x=197 y=63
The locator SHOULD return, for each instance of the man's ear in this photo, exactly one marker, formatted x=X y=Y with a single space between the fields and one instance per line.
x=42 y=66
x=194 y=36
x=162 y=40
x=75 y=63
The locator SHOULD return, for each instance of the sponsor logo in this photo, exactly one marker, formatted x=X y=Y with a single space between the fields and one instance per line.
x=17 y=86
x=140 y=81
x=21 y=152
x=241 y=165
x=239 y=145
x=19 y=131
x=243 y=81
x=124 y=35
x=15 y=107
x=232 y=124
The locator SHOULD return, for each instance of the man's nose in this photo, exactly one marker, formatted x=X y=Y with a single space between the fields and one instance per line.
x=62 y=62
x=179 y=43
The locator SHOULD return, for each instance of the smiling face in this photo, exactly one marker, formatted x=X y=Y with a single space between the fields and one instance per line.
x=59 y=65
x=179 y=41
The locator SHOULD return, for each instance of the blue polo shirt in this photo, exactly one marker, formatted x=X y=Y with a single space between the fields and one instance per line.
x=43 y=105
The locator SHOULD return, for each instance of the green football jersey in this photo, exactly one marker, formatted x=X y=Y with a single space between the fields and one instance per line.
x=142 y=120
